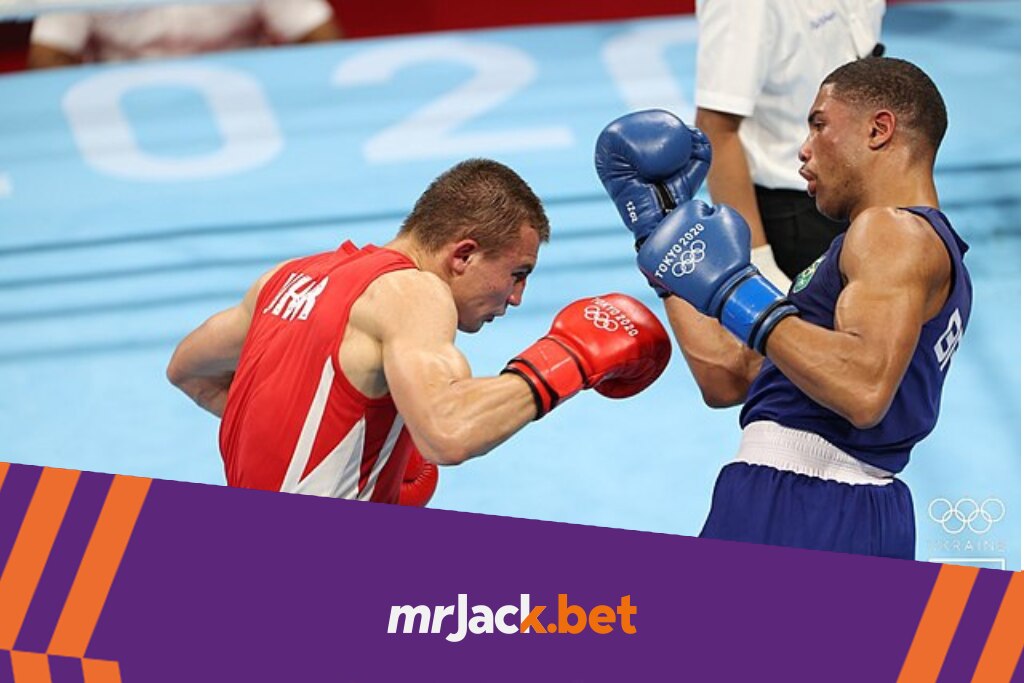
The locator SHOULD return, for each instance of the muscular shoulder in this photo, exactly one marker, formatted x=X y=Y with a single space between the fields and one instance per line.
x=895 y=241
x=410 y=288
x=891 y=232
x=405 y=298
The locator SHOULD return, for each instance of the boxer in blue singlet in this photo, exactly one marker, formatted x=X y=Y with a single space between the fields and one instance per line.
x=842 y=376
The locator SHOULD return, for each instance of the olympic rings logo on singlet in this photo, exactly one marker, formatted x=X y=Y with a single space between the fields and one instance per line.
x=966 y=513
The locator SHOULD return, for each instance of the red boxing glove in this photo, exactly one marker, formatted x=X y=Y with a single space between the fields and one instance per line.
x=419 y=481
x=610 y=343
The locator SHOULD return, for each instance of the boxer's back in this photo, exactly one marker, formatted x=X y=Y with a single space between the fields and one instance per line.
x=293 y=421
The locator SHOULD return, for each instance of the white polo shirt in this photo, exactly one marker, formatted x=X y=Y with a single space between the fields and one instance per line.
x=764 y=60
x=173 y=30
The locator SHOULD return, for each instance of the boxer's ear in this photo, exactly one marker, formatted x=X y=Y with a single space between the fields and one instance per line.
x=883 y=125
x=461 y=253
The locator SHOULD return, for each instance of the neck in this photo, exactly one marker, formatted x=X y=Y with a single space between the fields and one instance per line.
x=908 y=188
x=424 y=260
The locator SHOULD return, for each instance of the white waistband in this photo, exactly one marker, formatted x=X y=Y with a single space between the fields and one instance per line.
x=794 y=450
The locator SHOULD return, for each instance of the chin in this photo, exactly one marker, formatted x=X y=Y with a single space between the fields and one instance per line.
x=830 y=211
x=824 y=211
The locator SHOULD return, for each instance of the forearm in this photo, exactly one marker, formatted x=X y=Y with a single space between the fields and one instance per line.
x=729 y=181
x=722 y=367
x=204 y=363
x=203 y=377
x=472 y=416
x=209 y=393
x=838 y=370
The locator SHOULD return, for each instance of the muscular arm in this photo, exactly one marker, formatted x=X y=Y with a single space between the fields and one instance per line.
x=451 y=415
x=897 y=277
x=729 y=180
x=721 y=365
x=204 y=363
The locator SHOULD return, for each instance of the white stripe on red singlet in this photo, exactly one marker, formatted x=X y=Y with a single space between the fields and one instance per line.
x=337 y=475
x=304 y=447
x=382 y=459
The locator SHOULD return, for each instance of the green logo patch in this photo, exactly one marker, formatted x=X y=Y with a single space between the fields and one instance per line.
x=804 y=278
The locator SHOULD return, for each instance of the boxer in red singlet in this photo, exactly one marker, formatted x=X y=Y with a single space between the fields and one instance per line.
x=337 y=371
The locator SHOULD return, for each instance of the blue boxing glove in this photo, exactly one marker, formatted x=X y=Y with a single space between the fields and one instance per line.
x=650 y=162
x=702 y=254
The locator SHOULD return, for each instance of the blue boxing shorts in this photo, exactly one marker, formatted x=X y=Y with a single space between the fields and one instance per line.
x=793 y=488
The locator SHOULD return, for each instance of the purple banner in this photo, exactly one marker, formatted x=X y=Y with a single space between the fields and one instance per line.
x=218 y=584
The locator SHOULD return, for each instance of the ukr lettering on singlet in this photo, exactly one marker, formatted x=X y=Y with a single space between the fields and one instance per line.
x=296 y=298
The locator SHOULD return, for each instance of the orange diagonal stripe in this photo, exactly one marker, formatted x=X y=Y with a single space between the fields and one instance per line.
x=99 y=671
x=30 y=667
x=31 y=548
x=938 y=623
x=1006 y=639
x=99 y=565
x=3 y=471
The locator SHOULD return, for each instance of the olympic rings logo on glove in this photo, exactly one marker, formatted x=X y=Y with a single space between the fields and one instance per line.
x=966 y=513
x=689 y=259
x=601 y=319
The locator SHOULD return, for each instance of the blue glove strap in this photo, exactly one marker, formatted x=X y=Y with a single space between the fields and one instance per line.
x=726 y=290
x=753 y=308
x=783 y=310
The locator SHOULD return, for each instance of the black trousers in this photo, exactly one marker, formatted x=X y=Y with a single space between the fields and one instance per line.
x=796 y=231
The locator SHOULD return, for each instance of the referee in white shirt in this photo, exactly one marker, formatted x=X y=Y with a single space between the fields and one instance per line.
x=759 y=64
